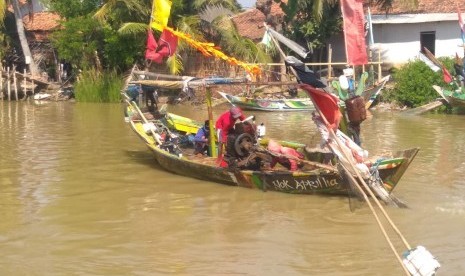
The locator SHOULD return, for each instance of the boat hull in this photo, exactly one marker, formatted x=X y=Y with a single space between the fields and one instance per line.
x=315 y=181
x=294 y=104
x=455 y=99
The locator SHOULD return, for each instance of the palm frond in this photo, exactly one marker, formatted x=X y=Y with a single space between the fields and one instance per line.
x=210 y=13
x=174 y=63
x=132 y=28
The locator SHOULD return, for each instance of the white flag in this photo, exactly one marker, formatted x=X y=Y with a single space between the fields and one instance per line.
x=428 y=62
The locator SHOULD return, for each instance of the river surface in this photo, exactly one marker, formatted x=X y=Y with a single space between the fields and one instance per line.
x=80 y=194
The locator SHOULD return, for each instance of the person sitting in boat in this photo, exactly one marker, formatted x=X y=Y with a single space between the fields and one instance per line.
x=201 y=140
x=224 y=124
x=287 y=157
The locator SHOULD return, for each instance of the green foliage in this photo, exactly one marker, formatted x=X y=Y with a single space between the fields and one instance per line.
x=121 y=51
x=78 y=41
x=71 y=9
x=96 y=86
x=303 y=26
x=413 y=83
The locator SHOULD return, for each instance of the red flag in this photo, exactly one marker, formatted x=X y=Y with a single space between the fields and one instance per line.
x=166 y=46
x=446 y=75
x=354 y=31
x=167 y=43
x=151 y=46
x=326 y=103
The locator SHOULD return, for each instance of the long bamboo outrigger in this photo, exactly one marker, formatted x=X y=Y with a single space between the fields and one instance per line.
x=358 y=180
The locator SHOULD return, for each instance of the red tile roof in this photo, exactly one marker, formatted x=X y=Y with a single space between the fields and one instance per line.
x=41 y=21
x=424 y=6
x=249 y=24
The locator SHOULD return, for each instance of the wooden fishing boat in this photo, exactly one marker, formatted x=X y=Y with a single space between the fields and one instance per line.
x=312 y=178
x=454 y=98
x=370 y=96
x=270 y=104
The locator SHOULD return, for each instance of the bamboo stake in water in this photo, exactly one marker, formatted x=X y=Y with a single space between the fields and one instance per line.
x=15 y=83
x=24 y=83
x=1 y=82
x=8 y=83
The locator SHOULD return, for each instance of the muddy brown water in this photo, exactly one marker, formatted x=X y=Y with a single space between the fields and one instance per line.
x=81 y=195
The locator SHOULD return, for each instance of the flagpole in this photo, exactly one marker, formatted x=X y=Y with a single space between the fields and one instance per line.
x=354 y=181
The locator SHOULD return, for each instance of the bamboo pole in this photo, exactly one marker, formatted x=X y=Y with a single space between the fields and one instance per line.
x=211 y=138
x=8 y=83
x=330 y=57
x=379 y=67
x=15 y=86
x=1 y=82
x=25 y=85
x=360 y=178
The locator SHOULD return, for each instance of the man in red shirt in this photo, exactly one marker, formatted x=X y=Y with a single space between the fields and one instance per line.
x=224 y=124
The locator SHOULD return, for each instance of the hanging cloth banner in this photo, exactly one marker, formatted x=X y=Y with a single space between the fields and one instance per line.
x=151 y=46
x=165 y=47
x=161 y=10
x=209 y=49
x=354 y=31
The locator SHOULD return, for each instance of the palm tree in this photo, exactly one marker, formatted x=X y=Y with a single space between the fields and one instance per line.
x=20 y=29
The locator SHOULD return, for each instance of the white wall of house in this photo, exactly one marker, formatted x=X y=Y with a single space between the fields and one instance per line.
x=399 y=41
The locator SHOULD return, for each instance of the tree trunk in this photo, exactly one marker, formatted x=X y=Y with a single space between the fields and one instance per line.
x=22 y=37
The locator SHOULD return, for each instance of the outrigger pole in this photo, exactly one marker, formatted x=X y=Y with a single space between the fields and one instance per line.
x=360 y=178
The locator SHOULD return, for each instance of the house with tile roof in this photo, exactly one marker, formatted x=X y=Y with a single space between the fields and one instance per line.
x=401 y=34
x=249 y=23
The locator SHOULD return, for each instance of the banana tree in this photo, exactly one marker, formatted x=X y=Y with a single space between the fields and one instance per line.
x=20 y=29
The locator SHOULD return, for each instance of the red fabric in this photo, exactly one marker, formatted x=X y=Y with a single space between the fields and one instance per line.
x=326 y=103
x=291 y=163
x=354 y=31
x=225 y=123
x=151 y=46
x=292 y=152
x=166 y=46
x=446 y=75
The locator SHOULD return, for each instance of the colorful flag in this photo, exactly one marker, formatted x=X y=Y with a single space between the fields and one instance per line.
x=354 y=31
x=446 y=75
x=209 y=49
x=326 y=103
x=167 y=45
x=462 y=25
x=151 y=46
x=161 y=10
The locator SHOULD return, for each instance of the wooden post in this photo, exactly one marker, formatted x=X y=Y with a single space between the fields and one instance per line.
x=212 y=146
x=32 y=87
x=15 y=86
x=25 y=85
x=330 y=56
x=8 y=83
x=379 y=67
x=1 y=83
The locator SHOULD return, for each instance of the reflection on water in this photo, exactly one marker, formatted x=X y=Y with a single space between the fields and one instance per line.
x=79 y=192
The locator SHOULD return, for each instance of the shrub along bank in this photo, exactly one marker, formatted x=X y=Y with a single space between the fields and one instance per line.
x=413 y=83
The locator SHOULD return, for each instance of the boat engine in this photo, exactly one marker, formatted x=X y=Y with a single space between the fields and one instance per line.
x=241 y=149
